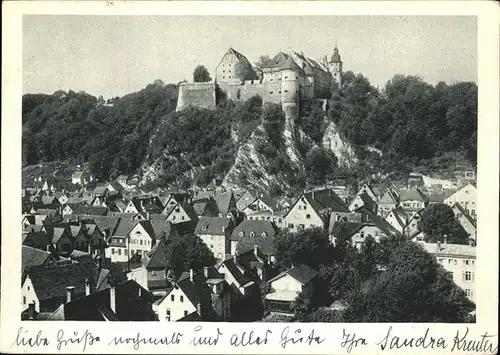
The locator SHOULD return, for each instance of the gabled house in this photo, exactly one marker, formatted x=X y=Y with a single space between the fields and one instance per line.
x=35 y=257
x=205 y=207
x=70 y=208
x=412 y=227
x=226 y=203
x=190 y=299
x=258 y=263
x=114 y=186
x=81 y=178
x=181 y=212
x=413 y=199
x=50 y=286
x=370 y=191
x=173 y=198
x=363 y=200
x=125 y=301
x=387 y=202
x=99 y=190
x=250 y=233
x=466 y=196
x=313 y=209
x=246 y=198
x=467 y=222
x=130 y=238
x=215 y=233
x=261 y=204
x=60 y=239
x=236 y=276
x=286 y=286
x=98 y=201
x=398 y=218
x=36 y=238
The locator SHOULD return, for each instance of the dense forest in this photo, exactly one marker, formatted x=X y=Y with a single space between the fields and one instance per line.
x=411 y=122
x=111 y=136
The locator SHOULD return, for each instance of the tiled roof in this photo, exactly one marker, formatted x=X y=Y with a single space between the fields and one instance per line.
x=378 y=221
x=91 y=210
x=51 y=281
x=163 y=228
x=278 y=60
x=212 y=225
x=413 y=194
x=465 y=213
x=257 y=227
x=131 y=302
x=33 y=257
x=302 y=273
x=265 y=244
x=223 y=200
x=238 y=275
x=345 y=229
x=450 y=249
x=156 y=258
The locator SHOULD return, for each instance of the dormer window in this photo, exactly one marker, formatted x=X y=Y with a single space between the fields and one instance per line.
x=252 y=234
x=241 y=234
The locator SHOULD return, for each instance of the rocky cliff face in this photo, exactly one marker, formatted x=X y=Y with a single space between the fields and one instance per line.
x=257 y=162
x=338 y=146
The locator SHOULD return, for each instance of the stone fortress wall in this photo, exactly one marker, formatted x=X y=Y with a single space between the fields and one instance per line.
x=285 y=83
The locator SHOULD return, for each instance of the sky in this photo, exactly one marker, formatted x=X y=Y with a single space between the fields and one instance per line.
x=115 y=55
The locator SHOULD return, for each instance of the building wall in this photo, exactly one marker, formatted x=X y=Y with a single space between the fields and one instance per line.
x=178 y=304
x=298 y=216
x=216 y=243
x=178 y=215
x=225 y=71
x=140 y=240
x=412 y=205
x=286 y=283
x=393 y=221
x=28 y=295
x=196 y=94
x=459 y=265
x=466 y=197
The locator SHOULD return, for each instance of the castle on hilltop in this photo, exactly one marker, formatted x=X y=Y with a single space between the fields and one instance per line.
x=286 y=79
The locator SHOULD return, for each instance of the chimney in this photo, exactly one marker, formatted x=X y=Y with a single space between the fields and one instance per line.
x=198 y=308
x=191 y=275
x=439 y=246
x=31 y=311
x=140 y=291
x=147 y=215
x=89 y=249
x=87 y=287
x=223 y=229
x=49 y=247
x=112 y=298
x=255 y=250
x=312 y=194
x=69 y=293
x=205 y=271
x=445 y=239
x=236 y=255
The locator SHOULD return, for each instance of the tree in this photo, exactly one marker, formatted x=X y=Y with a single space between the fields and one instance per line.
x=201 y=74
x=412 y=288
x=439 y=220
x=309 y=246
x=263 y=61
x=188 y=252
x=302 y=306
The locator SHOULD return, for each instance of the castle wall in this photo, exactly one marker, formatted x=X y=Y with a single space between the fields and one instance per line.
x=196 y=94
x=269 y=91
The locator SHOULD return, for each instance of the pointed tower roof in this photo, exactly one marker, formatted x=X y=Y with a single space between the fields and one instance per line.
x=290 y=65
x=336 y=56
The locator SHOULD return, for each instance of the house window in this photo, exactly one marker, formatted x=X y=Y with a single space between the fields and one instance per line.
x=279 y=220
x=286 y=77
x=290 y=225
x=468 y=292
x=112 y=251
x=449 y=261
x=308 y=216
x=449 y=274
x=182 y=298
x=177 y=210
x=182 y=217
x=172 y=298
x=119 y=251
x=140 y=242
x=24 y=299
x=185 y=313
x=271 y=91
x=466 y=262
x=468 y=276
x=302 y=226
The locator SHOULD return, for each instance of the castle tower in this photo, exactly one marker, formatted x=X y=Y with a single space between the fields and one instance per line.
x=335 y=66
x=290 y=87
